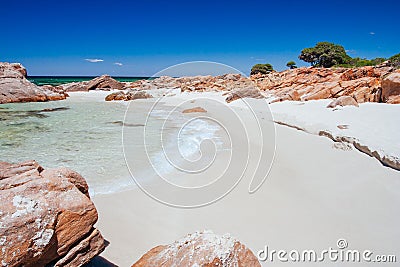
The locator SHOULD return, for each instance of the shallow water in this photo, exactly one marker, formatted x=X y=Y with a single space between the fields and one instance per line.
x=85 y=134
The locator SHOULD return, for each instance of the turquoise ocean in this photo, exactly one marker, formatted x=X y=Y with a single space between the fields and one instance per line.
x=57 y=80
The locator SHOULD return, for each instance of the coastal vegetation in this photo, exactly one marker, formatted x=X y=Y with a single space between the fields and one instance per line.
x=328 y=55
x=291 y=65
x=261 y=68
x=325 y=54
x=395 y=60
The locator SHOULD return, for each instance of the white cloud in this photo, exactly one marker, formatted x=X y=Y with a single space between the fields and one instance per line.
x=372 y=33
x=94 y=60
x=118 y=63
x=351 y=51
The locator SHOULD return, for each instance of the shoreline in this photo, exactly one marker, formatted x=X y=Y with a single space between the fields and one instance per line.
x=322 y=188
x=276 y=204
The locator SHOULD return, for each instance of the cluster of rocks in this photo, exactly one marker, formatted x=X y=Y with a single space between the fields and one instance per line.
x=207 y=83
x=200 y=249
x=14 y=87
x=130 y=95
x=46 y=217
x=235 y=85
x=365 y=84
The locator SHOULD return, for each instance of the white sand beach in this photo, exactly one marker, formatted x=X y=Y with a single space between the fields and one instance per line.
x=314 y=194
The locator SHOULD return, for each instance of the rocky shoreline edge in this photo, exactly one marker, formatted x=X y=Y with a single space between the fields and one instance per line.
x=379 y=84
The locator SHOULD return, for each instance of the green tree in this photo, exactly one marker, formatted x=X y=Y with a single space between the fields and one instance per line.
x=291 y=64
x=261 y=68
x=395 y=61
x=378 y=60
x=325 y=54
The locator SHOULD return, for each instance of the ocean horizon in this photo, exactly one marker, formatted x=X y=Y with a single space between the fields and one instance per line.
x=58 y=80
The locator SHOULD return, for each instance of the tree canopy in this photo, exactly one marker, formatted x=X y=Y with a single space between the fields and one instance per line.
x=395 y=60
x=325 y=54
x=291 y=64
x=261 y=68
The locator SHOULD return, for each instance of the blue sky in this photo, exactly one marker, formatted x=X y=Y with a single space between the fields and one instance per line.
x=56 y=37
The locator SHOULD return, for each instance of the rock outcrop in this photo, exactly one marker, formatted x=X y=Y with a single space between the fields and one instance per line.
x=200 y=249
x=363 y=84
x=302 y=84
x=46 y=216
x=192 y=83
x=344 y=100
x=391 y=88
x=104 y=82
x=237 y=86
x=14 y=87
x=131 y=95
x=249 y=92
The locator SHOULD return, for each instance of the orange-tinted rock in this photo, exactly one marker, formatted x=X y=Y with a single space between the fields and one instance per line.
x=104 y=82
x=46 y=216
x=70 y=175
x=200 y=249
x=116 y=96
x=249 y=92
x=391 y=88
x=393 y=99
x=363 y=84
x=195 y=110
x=301 y=84
x=131 y=95
x=75 y=87
x=357 y=73
x=343 y=101
x=14 y=87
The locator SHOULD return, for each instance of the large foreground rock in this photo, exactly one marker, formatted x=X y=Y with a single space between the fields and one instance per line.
x=46 y=216
x=14 y=87
x=200 y=249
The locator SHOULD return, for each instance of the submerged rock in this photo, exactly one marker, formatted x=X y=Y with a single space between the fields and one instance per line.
x=195 y=110
x=46 y=216
x=14 y=87
x=200 y=249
